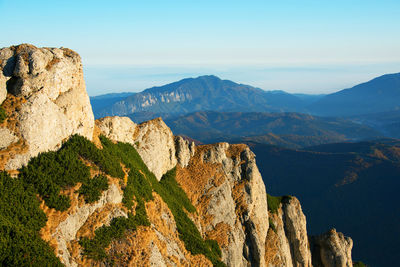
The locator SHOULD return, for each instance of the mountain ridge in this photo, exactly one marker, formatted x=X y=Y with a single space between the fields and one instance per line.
x=202 y=93
x=377 y=95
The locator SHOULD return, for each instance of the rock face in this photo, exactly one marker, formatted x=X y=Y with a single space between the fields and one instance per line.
x=184 y=150
x=296 y=232
x=46 y=101
x=225 y=186
x=67 y=229
x=153 y=140
x=332 y=249
x=119 y=129
x=287 y=241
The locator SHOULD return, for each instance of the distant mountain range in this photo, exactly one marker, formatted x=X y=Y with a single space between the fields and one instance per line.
x=381 y=94
x=350 y=186
x=211 y=93
x=284 y=129
x=201 y=93
x=299 y=153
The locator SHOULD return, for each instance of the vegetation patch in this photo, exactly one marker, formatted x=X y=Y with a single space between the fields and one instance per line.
x=92 y=189
x=50 y=172
x=272 y=225
x=359 y=264
x=274 y=202
x=141 y=184
x=20 y=222
x=3 y=114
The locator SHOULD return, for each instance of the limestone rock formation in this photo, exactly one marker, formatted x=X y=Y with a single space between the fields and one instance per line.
x=225 y=186
x=153 y=140
x=332 y=249
x=184 y=150
x=46 y=101
x=155 y=144
x=277 y=246
x=119 y=129
x=287 y=241
x=296 y=232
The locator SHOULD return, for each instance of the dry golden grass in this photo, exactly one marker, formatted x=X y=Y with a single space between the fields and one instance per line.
x=51 y=63
x=10 y=105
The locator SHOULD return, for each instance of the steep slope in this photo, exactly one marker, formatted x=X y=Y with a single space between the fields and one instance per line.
x=378 y=95
x=288 y=129
x=202 y=93
x=334 y=182
x=136 y=195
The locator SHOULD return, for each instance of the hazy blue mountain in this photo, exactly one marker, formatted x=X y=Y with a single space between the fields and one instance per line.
x=203 y=93
x=349 y=186
x=102 y=101
x=286 y=129
x=386 y=122
x=309 y=98
x=381 y=94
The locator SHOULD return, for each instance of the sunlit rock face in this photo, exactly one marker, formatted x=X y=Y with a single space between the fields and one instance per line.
x=43 y=93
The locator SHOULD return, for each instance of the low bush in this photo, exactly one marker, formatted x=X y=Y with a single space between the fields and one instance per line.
x=274 y=202
x=20 y=222
x=3 y=114
x=92 y=188
x=50 y=172
x=272 y=225
x=359 y=264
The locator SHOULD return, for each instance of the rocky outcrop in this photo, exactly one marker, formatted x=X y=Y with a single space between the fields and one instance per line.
x=67 y=229
x=296 y=232
x=184 y=150
x=277 y=246
x=332 y=249
x=155 y=144
x=46 y=101
x=225 y=186
x=153 y=140
x=287 y=241
x=119 y=129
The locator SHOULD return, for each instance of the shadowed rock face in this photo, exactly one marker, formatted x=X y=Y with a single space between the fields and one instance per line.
x=332 y=249
x=43 y=93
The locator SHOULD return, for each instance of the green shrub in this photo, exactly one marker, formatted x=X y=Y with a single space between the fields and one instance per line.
x=92 y=189
x=140 y=185
x=272 y=225
x=274 y=202
x=3 y=114
x=51 y=172
x=20 y=222
x=359 y=264
x=177 y=201
x=94 y=248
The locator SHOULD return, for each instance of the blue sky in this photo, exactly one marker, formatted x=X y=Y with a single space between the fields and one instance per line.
x=293 y=45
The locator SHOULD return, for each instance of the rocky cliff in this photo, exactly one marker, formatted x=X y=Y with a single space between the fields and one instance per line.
x=138 y=195
x=43 y=94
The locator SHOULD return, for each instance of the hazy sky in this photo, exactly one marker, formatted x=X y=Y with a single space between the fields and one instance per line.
x=293 y=45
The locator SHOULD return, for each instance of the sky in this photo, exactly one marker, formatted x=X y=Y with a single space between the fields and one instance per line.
x=300 y=46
